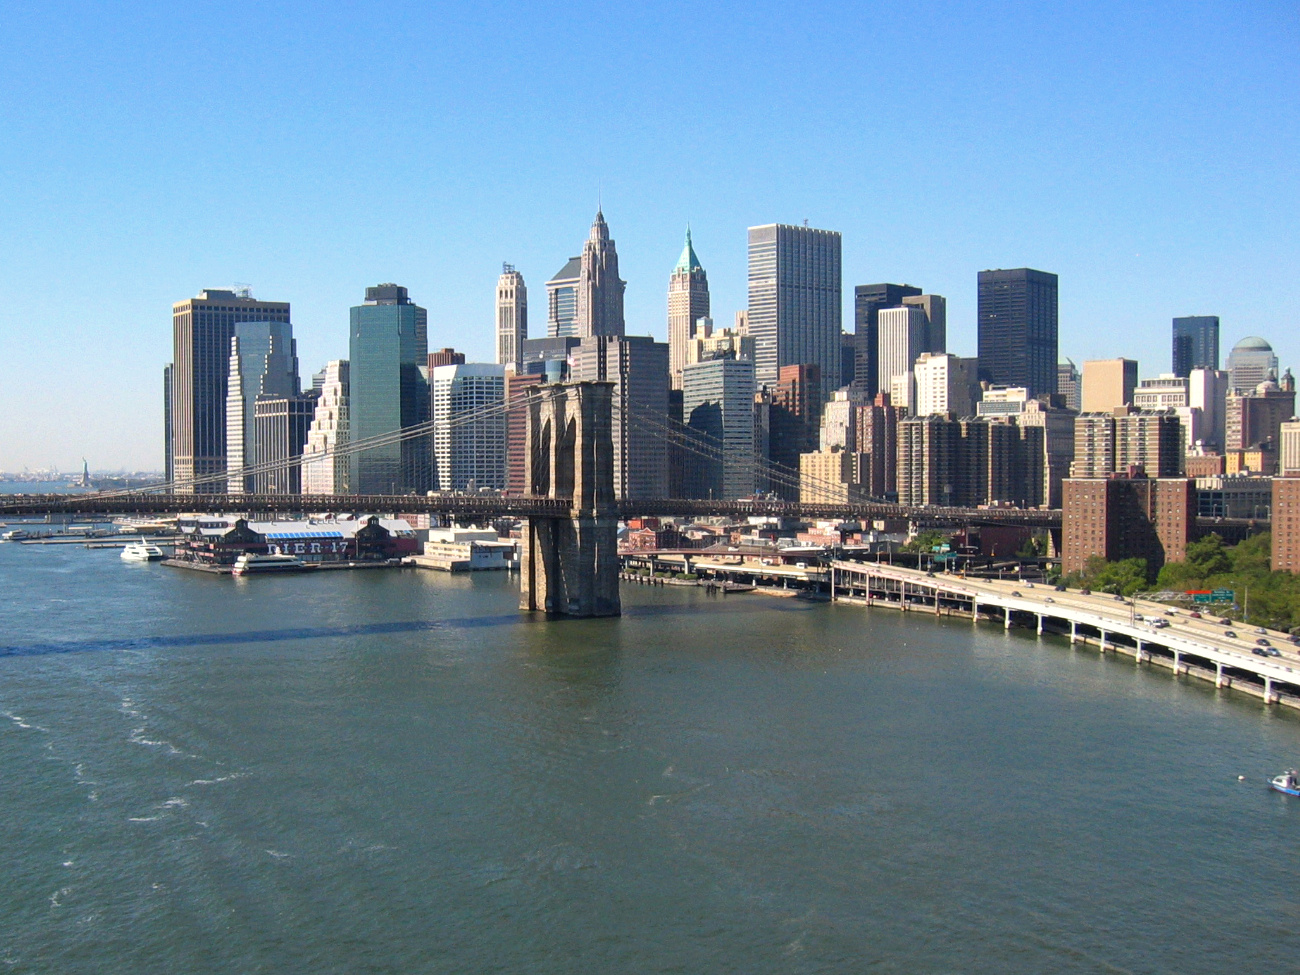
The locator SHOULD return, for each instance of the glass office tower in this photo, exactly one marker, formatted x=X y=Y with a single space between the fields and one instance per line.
x=1018 y=329
x=1196 y=344
x=388 y=354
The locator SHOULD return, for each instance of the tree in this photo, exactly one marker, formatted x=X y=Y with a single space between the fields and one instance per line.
x=925 y=541
x=1208 y=557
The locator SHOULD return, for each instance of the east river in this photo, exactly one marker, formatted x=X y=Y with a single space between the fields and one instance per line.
x=392 y=771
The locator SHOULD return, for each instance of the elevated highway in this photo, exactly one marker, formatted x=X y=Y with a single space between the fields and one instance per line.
x=1188 y=645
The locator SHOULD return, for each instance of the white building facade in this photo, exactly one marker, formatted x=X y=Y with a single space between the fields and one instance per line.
x=469 y=426
x=324 y=469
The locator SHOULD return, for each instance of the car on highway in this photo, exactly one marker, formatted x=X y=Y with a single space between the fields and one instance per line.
x=1294 y=638
x=1259 y=651
x=1261 y=630
x=1261 y=642
x=1230 y=633
x=1194 y=615
x=1118 y=598
x=1085 y=592
x=1225 y=621
x=1049 y=599
x=1060 y=589
x=1273 y=651
x=1159 y=624
x=1015 y=592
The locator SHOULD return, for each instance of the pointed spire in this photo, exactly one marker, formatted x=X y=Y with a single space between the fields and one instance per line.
x=688 y=261
x=599 y=229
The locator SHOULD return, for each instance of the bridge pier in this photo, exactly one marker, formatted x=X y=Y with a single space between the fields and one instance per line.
x=569 y=565
x=1074 y=632
x=1040 y=624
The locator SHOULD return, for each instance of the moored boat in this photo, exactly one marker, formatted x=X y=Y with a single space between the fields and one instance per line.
x=15 y=535
x=250 y=563
x=1288 y=782
x=142 y=552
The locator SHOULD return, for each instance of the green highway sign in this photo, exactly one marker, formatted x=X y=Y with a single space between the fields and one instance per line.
x=1225 y=595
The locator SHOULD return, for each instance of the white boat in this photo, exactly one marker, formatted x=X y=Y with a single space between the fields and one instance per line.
x=1287 y=782
x=248 y=563
x=142 y=552
x=14 y=535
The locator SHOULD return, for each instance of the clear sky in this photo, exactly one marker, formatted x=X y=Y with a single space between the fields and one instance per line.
x=1146 y=153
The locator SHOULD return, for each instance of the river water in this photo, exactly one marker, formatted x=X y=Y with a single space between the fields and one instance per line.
x=392 y=771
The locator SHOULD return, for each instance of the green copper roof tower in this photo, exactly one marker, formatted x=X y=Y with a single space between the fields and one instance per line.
x=688 y=302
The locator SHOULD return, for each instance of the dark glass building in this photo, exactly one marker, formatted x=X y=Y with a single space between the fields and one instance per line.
x=388 y=352
x=1018 y=329
x=1196 y=344
x=868 y=299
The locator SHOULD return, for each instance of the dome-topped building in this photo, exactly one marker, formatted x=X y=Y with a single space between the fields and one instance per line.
x=1250 y=363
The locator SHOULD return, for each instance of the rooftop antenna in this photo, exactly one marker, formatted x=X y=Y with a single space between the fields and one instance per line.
x=242 y=290
x=507 y=268
x=805 y=221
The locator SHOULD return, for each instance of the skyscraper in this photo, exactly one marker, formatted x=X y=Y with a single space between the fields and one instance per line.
x=1018 y=329
x=1196 y=344
x=263 y=362
x=902 y=334
x=168 y=468
x=512 y=317
x=469 y=451
x=1069 y=384
x=868 y=299
x=388 y=392
x=1250 y=363
x=280 y=428
x=794 y=302
x=718 y=402
x=201 y=332
x=1108 y=383
x=600 y=289
x=638 y=367
x=324 y=471
x=688 y=302
x=562 y=301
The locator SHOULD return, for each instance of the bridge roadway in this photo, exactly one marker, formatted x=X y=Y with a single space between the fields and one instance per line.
x=1097 y=617
x=490 y=506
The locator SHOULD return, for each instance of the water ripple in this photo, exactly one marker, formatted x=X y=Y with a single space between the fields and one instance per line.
x=313 y=632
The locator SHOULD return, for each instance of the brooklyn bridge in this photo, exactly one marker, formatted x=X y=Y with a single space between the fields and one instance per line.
x=570 y=511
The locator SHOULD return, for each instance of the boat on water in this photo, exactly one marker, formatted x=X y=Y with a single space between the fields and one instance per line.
x=249 y=563
x=1288 y=782
x=15 y=535
x=142 y=552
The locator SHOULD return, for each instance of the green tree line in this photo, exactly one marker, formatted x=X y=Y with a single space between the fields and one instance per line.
x=1269 y=598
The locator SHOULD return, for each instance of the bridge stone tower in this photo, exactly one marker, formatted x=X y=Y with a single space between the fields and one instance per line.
x=570 y=562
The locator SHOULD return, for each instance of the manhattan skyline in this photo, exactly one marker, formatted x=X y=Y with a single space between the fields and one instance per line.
x=1143 y=156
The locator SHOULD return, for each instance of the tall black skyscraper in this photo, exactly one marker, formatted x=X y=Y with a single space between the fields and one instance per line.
x=868 y=299
x=1196 y=344
x=1018 y=329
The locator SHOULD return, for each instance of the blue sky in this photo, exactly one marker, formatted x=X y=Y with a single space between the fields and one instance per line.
x=1145 y=153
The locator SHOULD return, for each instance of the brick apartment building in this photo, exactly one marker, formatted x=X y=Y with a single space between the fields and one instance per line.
x=1286 y=524
x=1127 y=516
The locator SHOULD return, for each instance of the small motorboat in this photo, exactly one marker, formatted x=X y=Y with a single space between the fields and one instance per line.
x=1288 y=782
x=142 y=552
x=15 y=535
